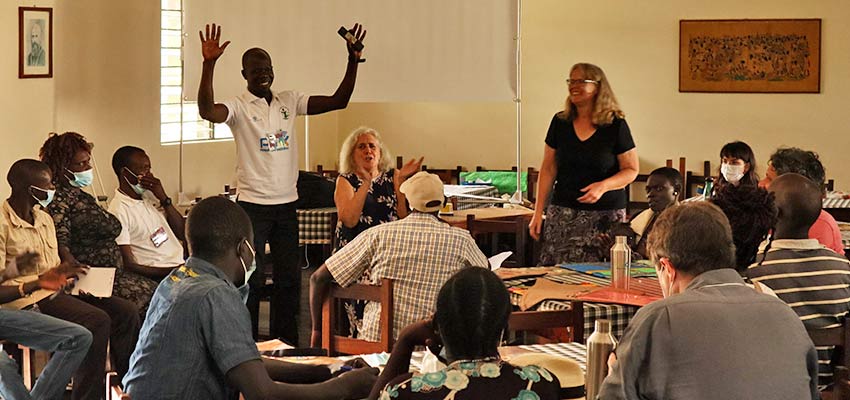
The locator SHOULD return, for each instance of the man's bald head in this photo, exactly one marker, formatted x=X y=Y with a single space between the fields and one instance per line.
x=798 y=200
x=27 y=172
x=255 y=53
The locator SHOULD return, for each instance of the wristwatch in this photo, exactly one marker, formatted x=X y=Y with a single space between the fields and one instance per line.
x=165 y=202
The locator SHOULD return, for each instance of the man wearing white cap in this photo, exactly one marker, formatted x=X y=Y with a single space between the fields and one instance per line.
x=419 y=253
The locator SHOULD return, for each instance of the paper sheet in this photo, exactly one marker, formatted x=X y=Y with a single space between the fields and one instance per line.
x=97 y=282
x=497 y=260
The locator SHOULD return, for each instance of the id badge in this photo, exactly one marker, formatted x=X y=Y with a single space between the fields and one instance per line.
x=159 y=237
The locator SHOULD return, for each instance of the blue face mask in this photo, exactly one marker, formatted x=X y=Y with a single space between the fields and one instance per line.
x=244 y=290
x=82 y=179
x=138 y=186
x=44 y=203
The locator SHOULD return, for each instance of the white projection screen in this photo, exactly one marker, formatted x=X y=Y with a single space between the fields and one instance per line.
x=415 y=50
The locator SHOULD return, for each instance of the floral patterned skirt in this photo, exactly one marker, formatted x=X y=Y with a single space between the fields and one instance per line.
x=134 y=288
x=570 y=235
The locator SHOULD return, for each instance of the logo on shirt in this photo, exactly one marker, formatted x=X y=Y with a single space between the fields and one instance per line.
x=275 y=142
x=284 y=111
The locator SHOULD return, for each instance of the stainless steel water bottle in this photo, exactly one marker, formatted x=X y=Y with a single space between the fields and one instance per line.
x=600 y=345
x=621 y=263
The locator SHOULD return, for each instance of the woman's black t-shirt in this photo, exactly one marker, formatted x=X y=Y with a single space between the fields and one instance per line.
x=581 y=163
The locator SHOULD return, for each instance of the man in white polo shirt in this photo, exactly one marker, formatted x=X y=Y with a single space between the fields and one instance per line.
x=263 y=126
x=151 y=228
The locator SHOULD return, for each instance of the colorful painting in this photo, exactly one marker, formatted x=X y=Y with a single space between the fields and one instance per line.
x=756 y=56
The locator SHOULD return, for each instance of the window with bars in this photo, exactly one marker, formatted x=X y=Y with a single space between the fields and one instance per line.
x=179 y=117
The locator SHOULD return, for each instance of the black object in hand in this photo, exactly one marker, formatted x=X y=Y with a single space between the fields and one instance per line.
x=348 y=36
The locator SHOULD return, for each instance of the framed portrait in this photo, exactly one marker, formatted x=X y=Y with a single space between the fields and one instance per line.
x=35 y=39
x=750 y=56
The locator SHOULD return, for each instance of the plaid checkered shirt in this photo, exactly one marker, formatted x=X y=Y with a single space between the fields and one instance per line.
x=419 y=253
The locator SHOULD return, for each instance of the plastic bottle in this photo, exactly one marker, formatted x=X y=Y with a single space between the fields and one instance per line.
x=708 y=188
x=600 y=345
x=621 y=263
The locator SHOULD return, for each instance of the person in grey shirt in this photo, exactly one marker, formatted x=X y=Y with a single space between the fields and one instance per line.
x=196 y=342
x=712 y=336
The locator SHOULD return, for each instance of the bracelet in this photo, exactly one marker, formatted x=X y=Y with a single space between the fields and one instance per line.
x=21 y=290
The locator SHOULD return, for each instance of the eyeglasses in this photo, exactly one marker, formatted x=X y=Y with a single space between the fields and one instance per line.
x=581 y=81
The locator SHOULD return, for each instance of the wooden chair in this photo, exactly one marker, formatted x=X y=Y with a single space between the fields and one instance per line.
x=113 y=388
x=519 y=227
x=692 y=181
x=830 y=185
x=399 y=162
x=533 y=176
x=332 y=173
x=635 y=207
x=480 y=168
x=448 y=176
x=27 y=367
x=332 y=310
x=573 y=319
x=840 y=338
x=841 y=387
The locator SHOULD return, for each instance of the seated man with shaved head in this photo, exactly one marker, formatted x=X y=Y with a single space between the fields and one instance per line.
x=812 y=279
x=25 y=229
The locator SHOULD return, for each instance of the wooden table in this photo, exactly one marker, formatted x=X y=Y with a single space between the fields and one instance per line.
x=504 y=214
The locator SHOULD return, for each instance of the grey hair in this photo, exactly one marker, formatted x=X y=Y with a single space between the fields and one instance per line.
x=346 y=161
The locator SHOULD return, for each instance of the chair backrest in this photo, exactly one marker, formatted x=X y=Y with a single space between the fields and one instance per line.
x=519 y=227
x=634 y=207
x=573 y=319
x=113 y=388
x=841 y=387
x=332 y=310
x=533 y=176
x=332 y=173
x=448 y=176
x=480 y=168
x=837 y=337
x=693 y=180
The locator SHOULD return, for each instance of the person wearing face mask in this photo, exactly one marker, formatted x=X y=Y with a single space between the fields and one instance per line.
x=26 y=228
x=151 y=227
x=86 y=231
x=367 y=189
x=196 y=342
x=737 y=165
x=588 y=159
x=712 y=336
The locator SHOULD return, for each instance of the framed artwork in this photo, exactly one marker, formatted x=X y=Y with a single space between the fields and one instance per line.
x=750 y=56
x=35 y=39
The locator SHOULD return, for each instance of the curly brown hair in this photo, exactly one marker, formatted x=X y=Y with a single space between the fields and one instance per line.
x=59 y=149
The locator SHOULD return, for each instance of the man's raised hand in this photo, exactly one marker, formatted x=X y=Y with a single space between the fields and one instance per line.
x=210 y=48
x=360 y=34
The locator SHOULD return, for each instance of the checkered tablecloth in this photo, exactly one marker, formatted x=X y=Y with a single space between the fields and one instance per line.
x=464 y=203
x=314 y=225
x=836 y=203
x=574 y=351
x=618 y=314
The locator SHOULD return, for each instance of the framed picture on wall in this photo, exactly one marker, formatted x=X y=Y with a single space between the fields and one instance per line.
x=750 y=56
x=35 y=39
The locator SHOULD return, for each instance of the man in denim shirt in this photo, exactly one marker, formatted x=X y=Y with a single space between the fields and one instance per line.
x=196 y=342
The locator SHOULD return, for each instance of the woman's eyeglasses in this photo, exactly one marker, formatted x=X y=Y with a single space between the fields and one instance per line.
x=581 y=81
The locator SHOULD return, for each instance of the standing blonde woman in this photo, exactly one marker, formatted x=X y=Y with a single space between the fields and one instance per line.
x=367 y=189
x=589 y=158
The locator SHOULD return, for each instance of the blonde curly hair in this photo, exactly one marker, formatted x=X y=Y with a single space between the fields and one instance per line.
x=346 y=161
x=605 y=106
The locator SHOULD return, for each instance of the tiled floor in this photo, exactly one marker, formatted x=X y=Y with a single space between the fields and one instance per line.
x=304 y=327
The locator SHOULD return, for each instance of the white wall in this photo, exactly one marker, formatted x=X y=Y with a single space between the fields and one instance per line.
x=27 y=105
x=107 y=77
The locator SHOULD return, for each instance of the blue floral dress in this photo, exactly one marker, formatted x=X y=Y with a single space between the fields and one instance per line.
x=490 y=379
x=379 y=208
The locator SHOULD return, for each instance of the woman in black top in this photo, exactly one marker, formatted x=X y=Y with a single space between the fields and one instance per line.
x=589 y=157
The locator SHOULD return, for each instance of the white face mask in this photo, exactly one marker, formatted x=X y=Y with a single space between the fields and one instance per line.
x=732 y=173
